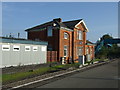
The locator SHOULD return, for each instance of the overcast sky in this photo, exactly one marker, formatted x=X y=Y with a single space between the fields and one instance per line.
x=100 y=17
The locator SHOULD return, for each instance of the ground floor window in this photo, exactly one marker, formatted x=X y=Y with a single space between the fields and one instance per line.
x=65 y=51
x=79 y=51
x=87 y=50
x=91 y=51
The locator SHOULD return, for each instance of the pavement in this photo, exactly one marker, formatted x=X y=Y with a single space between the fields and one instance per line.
x=104 y=76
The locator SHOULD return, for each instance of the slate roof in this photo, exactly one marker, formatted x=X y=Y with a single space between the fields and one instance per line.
x=40 y=26
x=67 y=24
x=89 y=42
x=71 y=24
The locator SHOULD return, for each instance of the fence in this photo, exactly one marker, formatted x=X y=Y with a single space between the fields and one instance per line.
x=51 y=56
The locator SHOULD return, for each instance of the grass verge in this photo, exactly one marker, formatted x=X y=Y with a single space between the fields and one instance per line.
x=22 y=75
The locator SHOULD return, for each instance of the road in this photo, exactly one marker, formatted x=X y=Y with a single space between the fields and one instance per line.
x=105 y=76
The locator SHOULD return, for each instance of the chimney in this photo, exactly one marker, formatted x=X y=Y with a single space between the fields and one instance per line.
x=58 y=19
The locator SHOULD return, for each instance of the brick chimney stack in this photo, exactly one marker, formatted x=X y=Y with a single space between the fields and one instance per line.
x=58 y=19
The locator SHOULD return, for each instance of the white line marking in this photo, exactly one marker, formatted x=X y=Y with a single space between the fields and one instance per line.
x=50 y=77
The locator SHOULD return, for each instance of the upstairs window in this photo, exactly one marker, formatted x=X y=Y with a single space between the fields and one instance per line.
x=79 y=35
x=49 y=31
x=65 y=35
x=65 y=51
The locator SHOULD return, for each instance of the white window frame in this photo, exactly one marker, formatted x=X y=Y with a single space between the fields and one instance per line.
x=35 y=48
x=5 y=46
x=49 y=31
x=65 y=35
x=16 y=46
x=79 y=35
x=65 y=50
x=27 y=47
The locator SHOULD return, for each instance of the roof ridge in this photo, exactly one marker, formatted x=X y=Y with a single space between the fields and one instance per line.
x=39 y=25
x=73 y=20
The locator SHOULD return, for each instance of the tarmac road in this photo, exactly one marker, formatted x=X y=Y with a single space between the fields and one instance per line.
x=105 y=76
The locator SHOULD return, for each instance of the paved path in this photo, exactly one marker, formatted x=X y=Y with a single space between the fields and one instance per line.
x=105 y=76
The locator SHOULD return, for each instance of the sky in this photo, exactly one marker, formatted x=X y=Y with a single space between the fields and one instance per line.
x=100 y=17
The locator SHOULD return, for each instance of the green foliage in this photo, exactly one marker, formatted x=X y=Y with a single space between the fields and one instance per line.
x=42 y=70
x=106 y=36
x=114 y=51
x=103 y=53
x=110 y=52
x=20 y=75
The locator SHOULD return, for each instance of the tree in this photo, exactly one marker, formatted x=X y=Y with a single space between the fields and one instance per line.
x=114 y=51
x=106 y=36
x=103 y=53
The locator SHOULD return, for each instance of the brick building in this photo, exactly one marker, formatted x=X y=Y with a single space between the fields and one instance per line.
x=67 y=38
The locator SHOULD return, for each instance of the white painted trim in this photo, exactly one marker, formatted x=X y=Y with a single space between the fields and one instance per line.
x=65 y=33
x=83 y=23
x=66 y=28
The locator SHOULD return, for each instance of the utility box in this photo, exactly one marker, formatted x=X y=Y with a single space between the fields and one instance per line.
x=81 y=59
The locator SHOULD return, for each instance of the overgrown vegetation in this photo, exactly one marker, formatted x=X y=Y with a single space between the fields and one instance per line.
x=106 y=52
x=40 y=71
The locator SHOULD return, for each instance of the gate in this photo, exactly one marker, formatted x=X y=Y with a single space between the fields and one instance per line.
x=51 y=56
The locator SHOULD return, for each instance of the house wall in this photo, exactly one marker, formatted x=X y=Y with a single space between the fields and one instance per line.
x=57 y=41
x=91 y=50
x=76 y=42
x=22 y=57
x=67 y=42
x=42 y=35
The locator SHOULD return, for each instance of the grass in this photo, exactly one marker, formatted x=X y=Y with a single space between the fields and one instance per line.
x=22 y=75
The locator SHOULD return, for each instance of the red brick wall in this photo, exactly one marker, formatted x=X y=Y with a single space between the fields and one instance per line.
x=52 y=56
x=76 y=41
x=57 y=41
x=91 y=47
x=42 y=35
x=67 y=42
